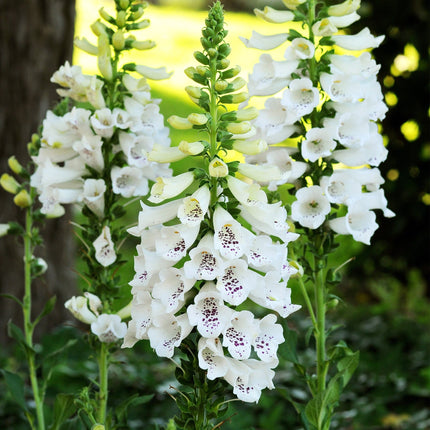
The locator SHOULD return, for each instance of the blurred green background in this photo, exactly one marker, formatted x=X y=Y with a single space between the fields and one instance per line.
x=386 y=309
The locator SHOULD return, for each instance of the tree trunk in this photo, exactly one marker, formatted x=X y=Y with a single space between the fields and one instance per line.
x=36 y=37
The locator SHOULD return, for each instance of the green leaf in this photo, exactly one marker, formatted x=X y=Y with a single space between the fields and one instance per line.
x=134 y=400
x=12 y=297
x=16 y=333
x=314 y=409
x=15 y=384
x=64 y=408
x=288 y=349
x=49 y=305
x=348 y=365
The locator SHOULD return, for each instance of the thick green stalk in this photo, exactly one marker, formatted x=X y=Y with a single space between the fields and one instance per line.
x=103 y=361
x=28 y=325
x=213 y=126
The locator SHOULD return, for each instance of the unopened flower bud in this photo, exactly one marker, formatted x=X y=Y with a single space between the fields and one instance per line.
x=123 y=4
x=250 y=147
x=86 y=46
x=121 y=18
x=212 y=52
x=202 y=70
x=239 y=128
x=197 y=118
x=190 y=71
x=163 y=154
x=223 y=64
x=194 y=92
x=142 y=24
x=15 y=165
x=231 y=73
x=331 y=304
x=22 y=199
x=104 y=57
x=179 y=123
x=221 y=85
x=345 y=8
x=234 y=98
x=39 y=266
x=238 y=83
x=292 y=4
x=106 y=16
x=142 y=45
x=118 y=40
x=4 y=228
x=298 y=267
x=247 y=114
x=191 y=148
x=9 y=183
x=98 y=28
x=217 y=168
x=138 y=14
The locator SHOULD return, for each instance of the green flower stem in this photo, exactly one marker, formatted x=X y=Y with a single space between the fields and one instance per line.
x=103 y=362
x=28 y=325
x=213 y=125
x=320 y=334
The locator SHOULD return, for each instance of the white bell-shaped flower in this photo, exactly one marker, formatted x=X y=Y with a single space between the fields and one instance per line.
x=300 y=49
x=311 y=207
x=103 y=122
x=166 y=188
x=141 y=314
x=265 y=43
x=208 y=312
x=211 y=357
x=205 y=263
x=301 y=97
x=274 y=16
x=93 y=196
x=358 y=42
x=340 y=186
x=90 y=149
x=171 y=288
x=79 y=307
x=246 y=194
x=109 y=328
x=128 y=181
x=270 y=335
x=192 y=210
x=239 y=334
x=136 y=148
x=105 y=248
x=236 y=282
x=231 y=239
x=318 y=143
x=266 y=256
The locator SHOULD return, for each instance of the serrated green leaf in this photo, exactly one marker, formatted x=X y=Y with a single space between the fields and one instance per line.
x=15 y=385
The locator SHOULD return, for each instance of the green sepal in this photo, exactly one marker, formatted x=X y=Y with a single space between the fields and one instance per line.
x=293 y=34
x=326 y=41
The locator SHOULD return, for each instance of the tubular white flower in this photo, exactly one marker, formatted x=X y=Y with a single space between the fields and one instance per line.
x=270 y=335
x=128 y=181
x=345 y=8
x=93 y=196
x=109 y=328
x=345 y=20
x=311 y=207
x=275 y=123
x=300 y=49
x=153 y=215
x=90 y=149
x=292 y=4
x=266 y=256
x=103 y=122
x=262 y=42
x=166 y=188
x=78 y=306
x=136 y=148
x=247 y=194
x=171 y=288
x=208 y=312
x=239 y=334
x=341 y=87
x=318 y=143
x=174 y=241
x=262 y=174
x=94 y=302
x=360 y=223
x=104 y=247
x=250 y=147
x=340 y=186
x=236 y=282
x=231 y=240
x=325 y=27
x=218 y=168
x=211 y=357
x=301 y=97
x=372 y=200
x=205 y=261
x=191 y=148
x=168 y=332
x=153 y=73
x=358 y=42
x=162 y=154
x=192 y=209
x=274 y=16
x=269 y=76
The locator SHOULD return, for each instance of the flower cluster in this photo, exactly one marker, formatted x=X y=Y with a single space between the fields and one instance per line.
x=96 y=153
x=333 y=101
x=198 y=258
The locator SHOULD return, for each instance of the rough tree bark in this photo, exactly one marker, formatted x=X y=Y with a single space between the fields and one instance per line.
x=36 y=37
